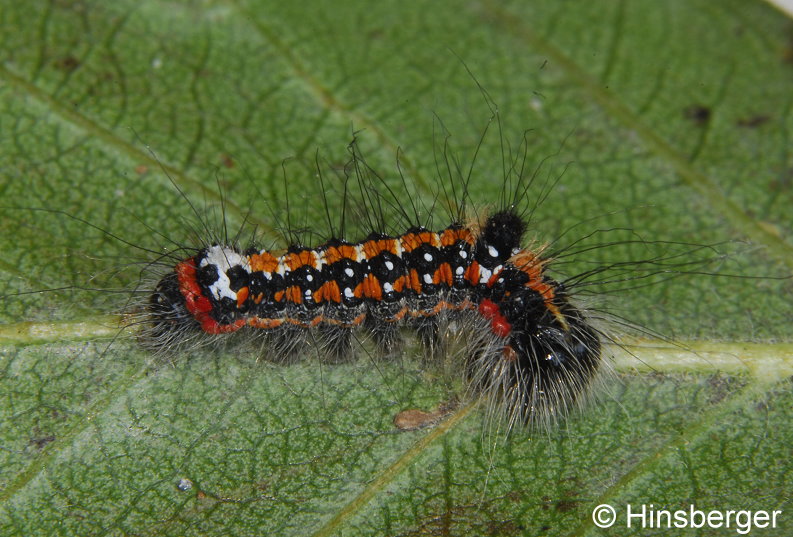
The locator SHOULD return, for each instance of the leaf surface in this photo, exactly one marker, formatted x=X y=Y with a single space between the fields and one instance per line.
x=655 y=121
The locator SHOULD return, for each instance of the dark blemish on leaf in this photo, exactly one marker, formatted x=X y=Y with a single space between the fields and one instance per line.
x=41 y=441
x=67 y=63
x=504 y=527
x=787 y=52
x=227 y=161
x=562 y=506
x=752 y=122
x=470 y=517
x=721 y=387
x=565 y=506
x=697 y=113
x=514 y=496
x=783 y=183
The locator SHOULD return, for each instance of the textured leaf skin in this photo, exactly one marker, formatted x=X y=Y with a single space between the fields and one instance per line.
x=670 y=119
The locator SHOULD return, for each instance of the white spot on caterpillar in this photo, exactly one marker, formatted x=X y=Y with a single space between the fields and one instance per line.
x=309 y=278
x=428 y=278
x=459 y=271
x=389 y=265
x=463 y=254
x=349 y=272
x=427 y=257
x=492 y=251
x=224 y=259
x=387 y=287
x=359 y=253
x=348 y=293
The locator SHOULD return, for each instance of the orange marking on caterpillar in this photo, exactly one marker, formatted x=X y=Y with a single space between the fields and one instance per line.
x=533 y=266
x=399 y=284
x=411 y=241
x=439 y=307
x=449 y=237
x=266 y=324
x=242 y=296
x=398 y=316
x=294 y=294
x=414 y=282
x=443 y=275
x=337 y=253
x=295 y=260
x=376 y=247
x=263 y=262
x=372 y=288
x=472 y=273
x=328 y=292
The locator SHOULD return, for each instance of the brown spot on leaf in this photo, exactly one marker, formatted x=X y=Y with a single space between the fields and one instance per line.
x=412 y=419
x=565 y=506
x=697 y=113
x=752 y=122
x=787 y=51
x=67 y=63
x=40 y=442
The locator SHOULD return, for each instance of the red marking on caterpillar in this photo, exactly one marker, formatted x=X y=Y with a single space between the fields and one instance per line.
x=498 y=323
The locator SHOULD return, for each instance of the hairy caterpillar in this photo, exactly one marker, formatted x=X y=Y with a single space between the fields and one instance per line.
x=525 y=344
x=539 y=351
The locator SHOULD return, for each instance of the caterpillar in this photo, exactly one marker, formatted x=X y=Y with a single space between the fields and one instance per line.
x=527 y=344
x=539 y=352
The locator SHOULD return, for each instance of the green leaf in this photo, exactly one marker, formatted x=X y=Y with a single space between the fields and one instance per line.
x=669 y=119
